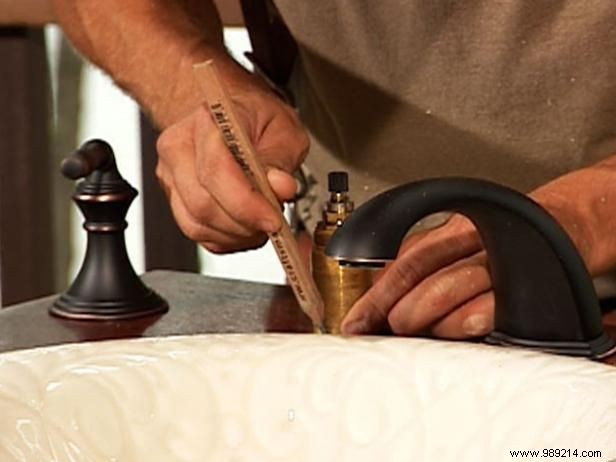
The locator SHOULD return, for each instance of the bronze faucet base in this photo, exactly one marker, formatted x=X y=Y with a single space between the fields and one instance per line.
x=71 y=308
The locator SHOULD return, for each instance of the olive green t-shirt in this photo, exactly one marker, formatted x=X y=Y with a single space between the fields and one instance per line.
x=516 y=91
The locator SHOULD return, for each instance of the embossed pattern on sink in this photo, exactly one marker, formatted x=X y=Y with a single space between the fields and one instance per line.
x=298 y=398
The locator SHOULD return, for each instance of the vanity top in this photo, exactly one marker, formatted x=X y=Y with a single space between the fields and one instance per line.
x=198 y=304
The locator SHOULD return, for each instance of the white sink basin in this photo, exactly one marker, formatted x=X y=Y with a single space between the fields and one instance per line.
x=299 y=398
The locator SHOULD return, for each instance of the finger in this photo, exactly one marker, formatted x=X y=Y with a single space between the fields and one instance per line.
x=439 y=249
x=408 y=242
x=204 y=208
x=220 y=174
x=456 y=224
x=283 y=184
x=176 y=170
x=283 y=143
x=473 y=319
x=209 y=238
x=215 y=240
x=197 y=204
x=439 y=294
x=274 y=124
x=185 y=221
x=222 y=246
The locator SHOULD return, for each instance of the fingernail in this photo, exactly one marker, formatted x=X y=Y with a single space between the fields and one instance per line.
x=355 y=327
x=298 y=187
x=476 y=324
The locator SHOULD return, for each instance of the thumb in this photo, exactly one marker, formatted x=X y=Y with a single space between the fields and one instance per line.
x=284 y=184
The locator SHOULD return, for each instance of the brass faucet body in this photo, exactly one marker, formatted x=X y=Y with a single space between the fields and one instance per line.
x=340 y=286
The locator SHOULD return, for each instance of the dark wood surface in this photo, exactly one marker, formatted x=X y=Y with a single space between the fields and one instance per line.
x=198 y=304
x=26 y=243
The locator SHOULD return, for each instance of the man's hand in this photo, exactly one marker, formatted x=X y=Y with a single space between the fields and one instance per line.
x=440 y=283
x=210 y=196
x=149 y=48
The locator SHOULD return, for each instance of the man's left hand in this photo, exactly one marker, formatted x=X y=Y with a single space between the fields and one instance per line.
x=440 y=282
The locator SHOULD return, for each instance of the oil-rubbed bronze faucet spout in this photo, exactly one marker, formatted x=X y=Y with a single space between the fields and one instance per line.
x=544 y=295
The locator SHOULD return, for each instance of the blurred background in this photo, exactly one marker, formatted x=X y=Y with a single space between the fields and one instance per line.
x=82 y=103
x=107 y=113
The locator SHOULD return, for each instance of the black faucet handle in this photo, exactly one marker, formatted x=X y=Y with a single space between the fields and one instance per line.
x=107 y=287
x=95 y=162
x=338 y=182
x=92 y=155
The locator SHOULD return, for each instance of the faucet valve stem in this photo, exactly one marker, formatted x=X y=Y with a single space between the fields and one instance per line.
x=340 y=286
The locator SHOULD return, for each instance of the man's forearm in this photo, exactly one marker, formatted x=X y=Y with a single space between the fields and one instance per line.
x=584 y=201
x=149 y=46
x=25 y=12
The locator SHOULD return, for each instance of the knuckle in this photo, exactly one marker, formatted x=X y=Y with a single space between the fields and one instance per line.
x=165 y=142
x=462 y=228
x=158 y=172
x=160 y=175
x=214 y=247
x=190 y=230
x=175 y=141
x=459 y=221
x=245 y=234
x=410 y=241
x=199 y=208
x=438 y=293
x=405 y=274
x=246 y=217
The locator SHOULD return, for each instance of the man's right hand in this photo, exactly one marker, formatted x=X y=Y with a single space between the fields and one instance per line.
x=149 y=49
x=211 y=198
